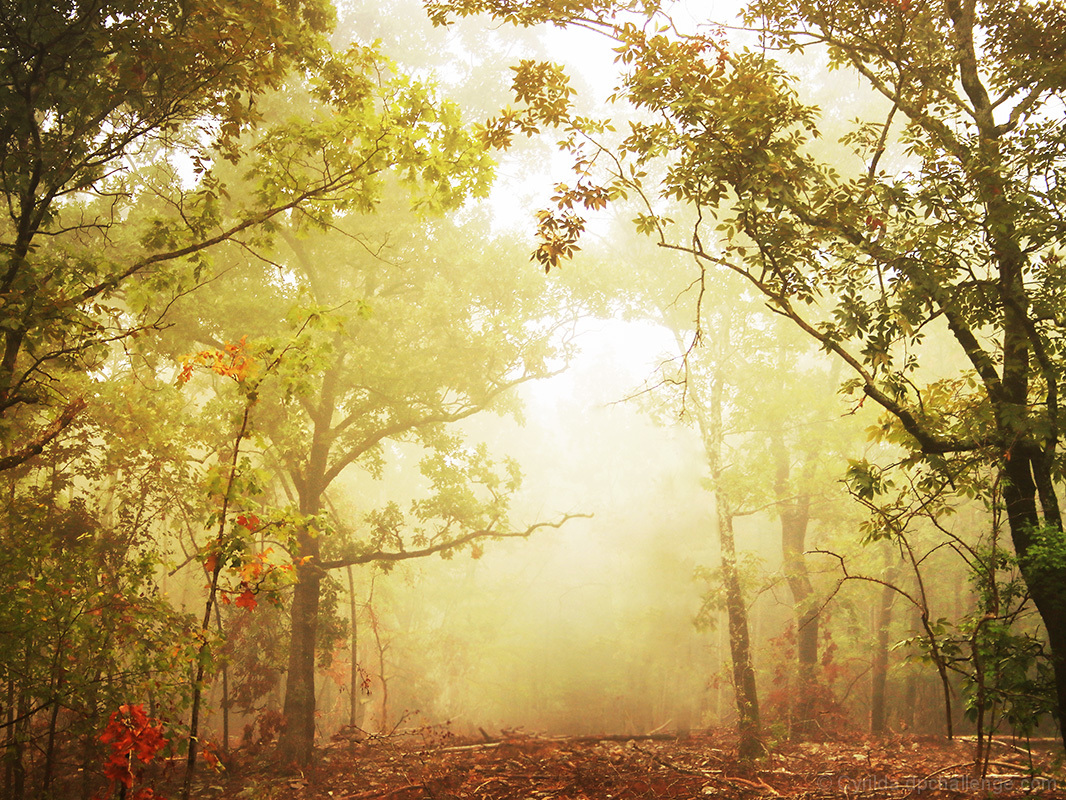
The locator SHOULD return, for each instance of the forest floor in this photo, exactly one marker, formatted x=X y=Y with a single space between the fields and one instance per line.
x=522 y=767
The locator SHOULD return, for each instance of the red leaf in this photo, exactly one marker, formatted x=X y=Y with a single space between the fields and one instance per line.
x=247 y=600
x=251 y=521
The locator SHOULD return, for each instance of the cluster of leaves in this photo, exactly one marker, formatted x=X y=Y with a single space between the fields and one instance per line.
x=232 y=361
x=131 y=736
x=467 y=501
x=558 y=12
x=90 y=95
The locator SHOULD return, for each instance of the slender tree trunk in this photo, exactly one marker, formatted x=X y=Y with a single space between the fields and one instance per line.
x=354 y=717
x=225 y=685
x=205 y=626
x=89 y=742
x=747 y=697
x=9 y=741
x=708 y=412
x=53 y=722
x=382 y=646
x=20 y=731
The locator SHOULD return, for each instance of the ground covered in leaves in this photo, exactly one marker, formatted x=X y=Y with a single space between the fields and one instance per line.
x=521 y=767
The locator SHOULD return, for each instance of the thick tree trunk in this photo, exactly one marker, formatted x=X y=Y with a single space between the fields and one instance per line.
x=1042 y=570
x=298 y=739
x=1028 y=456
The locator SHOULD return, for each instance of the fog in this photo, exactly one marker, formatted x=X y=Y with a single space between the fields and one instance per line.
x=588 y=628
x=559 y=369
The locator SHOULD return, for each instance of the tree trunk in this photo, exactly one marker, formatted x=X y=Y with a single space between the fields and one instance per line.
x=297 y=740
x=747 y=698
x=354 y=706
x=708 y=412
x=1028 y=445
x=1044 y=577
x=9 y=740
x=879 y=668
x=794 y=509
x=225 y=683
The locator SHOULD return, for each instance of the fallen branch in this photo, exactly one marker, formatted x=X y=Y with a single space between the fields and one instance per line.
x=923 y=783
x=385 y=792
x=994 y=740
x=731 y=781
x=593 y=739
x=459 y=748
x=621 y=737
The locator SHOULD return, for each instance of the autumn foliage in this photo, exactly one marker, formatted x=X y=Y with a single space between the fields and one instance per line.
x=230 y=361
x=133 y=737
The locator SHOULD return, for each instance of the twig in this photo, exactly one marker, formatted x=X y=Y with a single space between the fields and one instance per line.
x=386 y=792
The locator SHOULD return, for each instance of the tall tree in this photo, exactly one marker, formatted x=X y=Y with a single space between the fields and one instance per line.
x=943 y=214
x=708 y=396
x=116 y=117
x=778 y=408
x=403 y=326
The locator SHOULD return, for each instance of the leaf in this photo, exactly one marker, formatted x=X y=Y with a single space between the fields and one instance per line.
x=247 y=600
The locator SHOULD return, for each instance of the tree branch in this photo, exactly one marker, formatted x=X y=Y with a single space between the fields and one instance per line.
x=382 y=556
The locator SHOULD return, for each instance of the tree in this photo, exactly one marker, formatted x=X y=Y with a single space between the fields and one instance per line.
x=764 y=403
x=117 y=117
x=941 y=216
x=397 y=327
x=707 y=406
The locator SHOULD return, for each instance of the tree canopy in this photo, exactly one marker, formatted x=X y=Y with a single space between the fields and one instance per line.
x=119 y=117
x=943 y=213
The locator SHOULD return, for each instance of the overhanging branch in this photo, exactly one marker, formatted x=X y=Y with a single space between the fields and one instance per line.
x=391 y=557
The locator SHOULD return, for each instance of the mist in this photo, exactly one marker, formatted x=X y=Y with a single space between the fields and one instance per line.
x=462 y=396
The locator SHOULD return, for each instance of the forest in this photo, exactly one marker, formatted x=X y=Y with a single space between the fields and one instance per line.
x=532 y=399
